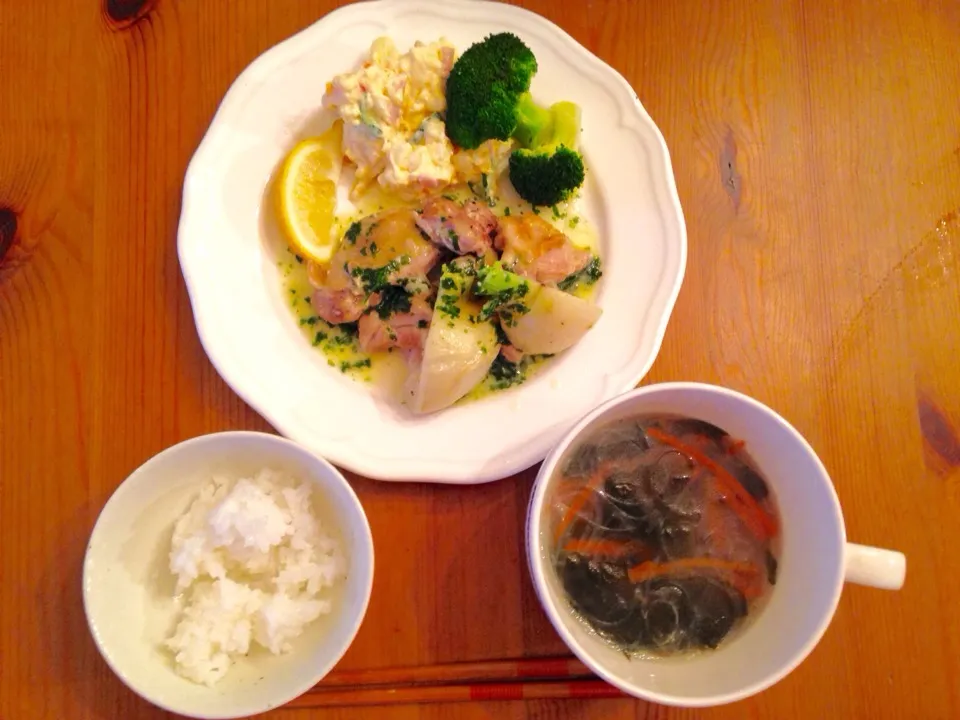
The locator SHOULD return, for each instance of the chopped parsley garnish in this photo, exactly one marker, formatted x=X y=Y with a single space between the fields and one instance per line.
x=448 y=297
x=447 y=304
x=353 y=232
x=319 y=337
x=586 y=277
x=346 y=365
x=455 y=241
x=393 y=299
x=504 y=374
x=461 y=267
x=376 y=279
x=508 y=312
x=456 y=280
x=350 y=330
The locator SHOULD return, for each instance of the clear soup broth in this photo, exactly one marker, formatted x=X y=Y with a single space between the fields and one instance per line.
x=663 y=533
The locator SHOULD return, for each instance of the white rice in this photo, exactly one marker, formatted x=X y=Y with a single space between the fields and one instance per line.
x=252 y=562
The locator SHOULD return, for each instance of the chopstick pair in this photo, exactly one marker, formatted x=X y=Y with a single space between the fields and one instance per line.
x=523 y=679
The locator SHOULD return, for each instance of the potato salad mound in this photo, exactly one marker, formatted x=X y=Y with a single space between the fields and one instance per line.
x=393 y=130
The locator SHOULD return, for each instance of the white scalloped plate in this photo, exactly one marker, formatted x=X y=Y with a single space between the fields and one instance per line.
x=236 y=292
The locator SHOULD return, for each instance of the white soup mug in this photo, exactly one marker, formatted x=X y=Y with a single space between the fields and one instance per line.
x=814 y=562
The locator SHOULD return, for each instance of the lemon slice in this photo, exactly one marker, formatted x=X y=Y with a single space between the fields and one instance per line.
x=307 y=194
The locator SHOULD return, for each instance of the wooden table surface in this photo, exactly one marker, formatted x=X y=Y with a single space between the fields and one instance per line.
x=816 y=147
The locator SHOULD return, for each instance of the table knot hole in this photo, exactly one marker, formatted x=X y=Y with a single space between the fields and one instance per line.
x=122 y=14
x=8 y=230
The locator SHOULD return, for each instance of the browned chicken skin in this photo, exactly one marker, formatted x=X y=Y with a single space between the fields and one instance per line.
x=342 y=306
x=534 y=248
x=404 y=330
x=390 y=239
x=464 y=229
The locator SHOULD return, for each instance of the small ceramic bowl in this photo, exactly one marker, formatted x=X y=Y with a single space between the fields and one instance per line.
x=815 y=558
x=128 y=588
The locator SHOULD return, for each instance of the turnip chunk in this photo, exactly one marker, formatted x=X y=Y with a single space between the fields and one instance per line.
x=459 y=350
x=555 y=321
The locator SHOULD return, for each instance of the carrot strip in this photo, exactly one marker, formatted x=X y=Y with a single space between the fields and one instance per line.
x=566 y=486
x=734 y=446
x=576 y=505
x=744 y=576
x=758 y=521
x=649 y=569
x=610 y=548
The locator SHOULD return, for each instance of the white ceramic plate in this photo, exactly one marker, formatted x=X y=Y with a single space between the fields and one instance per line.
x=252 y=338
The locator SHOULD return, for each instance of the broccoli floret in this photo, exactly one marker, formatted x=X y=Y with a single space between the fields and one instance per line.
x=548 y=169
x=488 y=97
x=495 y=280
x=538 y=125
x=509 y=294
x=534 y=122
x=546 y=176
x=484 y=88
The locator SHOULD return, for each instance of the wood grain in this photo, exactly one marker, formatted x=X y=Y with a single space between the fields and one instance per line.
x=816 y=147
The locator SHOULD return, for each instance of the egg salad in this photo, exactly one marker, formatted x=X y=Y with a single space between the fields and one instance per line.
x=393 y=131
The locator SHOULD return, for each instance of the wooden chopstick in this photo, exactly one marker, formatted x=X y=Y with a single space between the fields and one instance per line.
x=544 y=668
x=356 y=696
x=518 y=679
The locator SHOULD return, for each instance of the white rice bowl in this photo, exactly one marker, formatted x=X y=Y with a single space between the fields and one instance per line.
x=133 y=606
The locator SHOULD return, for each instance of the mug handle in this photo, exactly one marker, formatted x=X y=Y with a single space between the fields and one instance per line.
x=875 y=567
